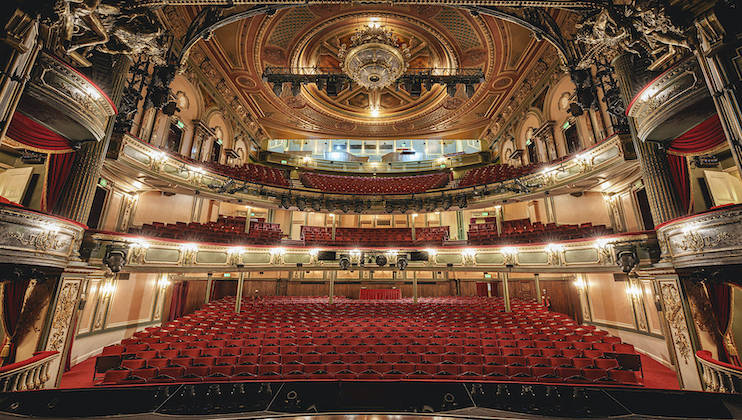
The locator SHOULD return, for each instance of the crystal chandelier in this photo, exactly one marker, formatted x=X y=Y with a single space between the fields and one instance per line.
x=374 y=59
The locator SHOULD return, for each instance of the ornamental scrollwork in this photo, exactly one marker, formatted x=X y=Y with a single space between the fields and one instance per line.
x=697 y=242
x=66 y=304
x=676 y=320
x=137 y=254
x=42 y=241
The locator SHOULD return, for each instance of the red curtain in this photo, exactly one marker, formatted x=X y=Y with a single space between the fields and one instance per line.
x=59 y=166
x=679 y=172
x=178 y=301
x=13 y=294
x=700 y=139
x=375 y=294
x=34 y=135
x=720 y=297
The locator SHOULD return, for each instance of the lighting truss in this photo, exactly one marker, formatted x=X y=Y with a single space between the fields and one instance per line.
x=333 y=81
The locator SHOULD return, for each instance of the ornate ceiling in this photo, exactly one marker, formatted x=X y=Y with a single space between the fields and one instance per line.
x=308 y=36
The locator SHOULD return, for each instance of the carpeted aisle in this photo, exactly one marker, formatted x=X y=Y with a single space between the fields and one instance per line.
x=657 y=375
x=80 y=375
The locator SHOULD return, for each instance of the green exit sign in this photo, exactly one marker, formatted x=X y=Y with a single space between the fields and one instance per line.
x=102 y=182
x=227 y=274
x=487 y=275
x=485 y=213
x=179 y=124
x=284 y=161
x=566 y=125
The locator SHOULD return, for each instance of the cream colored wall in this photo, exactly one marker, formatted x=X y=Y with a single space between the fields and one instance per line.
x=609 y=303
x=515 y=211
x=590 y=207
x=113 y=211
x=156 y=207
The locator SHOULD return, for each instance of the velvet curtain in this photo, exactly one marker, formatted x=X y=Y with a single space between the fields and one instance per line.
x=178 y=301
x=679 y=172
x=28 y=132
x=700 y=139
x=720 y=297
x=13 y=294
x=58 y=169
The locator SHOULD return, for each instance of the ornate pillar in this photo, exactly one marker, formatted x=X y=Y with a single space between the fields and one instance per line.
x=719 y=53
x=663 y=200
x=20 y=47
x=331 y=297
x=240 y=286
x=537 y=284
x=506 y=290
x=209 y=286
x=77 y=199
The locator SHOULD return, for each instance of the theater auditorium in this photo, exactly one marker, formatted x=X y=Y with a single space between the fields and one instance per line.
x=333 y=209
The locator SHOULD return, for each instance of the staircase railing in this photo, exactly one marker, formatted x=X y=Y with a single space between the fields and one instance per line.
x=719 y=376
x=32 y=373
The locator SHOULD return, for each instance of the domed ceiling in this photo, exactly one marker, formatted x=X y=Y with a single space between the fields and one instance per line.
x=437 y=37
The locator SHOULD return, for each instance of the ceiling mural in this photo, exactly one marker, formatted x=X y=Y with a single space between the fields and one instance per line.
x=436 y=37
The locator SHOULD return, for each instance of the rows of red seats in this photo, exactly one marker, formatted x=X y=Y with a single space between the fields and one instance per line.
x=495 y=173
x=523 y=231
x=247 y=172
x=453 y=338
x=228 y=230
x=374 y=236
x=375 y=185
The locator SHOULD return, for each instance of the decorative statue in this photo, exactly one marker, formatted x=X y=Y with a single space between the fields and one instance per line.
x=642 y=28
x=109 y=27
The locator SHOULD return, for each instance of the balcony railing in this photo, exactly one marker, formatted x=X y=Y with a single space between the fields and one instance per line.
x=719 y=376
x=28 y=374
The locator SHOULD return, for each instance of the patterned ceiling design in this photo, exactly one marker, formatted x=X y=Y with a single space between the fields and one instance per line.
x=311 y=36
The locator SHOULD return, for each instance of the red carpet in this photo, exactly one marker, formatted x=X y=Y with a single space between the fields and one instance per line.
x=657 y=375
x=80 y=375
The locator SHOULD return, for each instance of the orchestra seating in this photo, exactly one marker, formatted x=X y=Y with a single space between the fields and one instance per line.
x=443 y=338
x=374 y=236
x=523 y=231
x=495 y=173
x=375 y=185
x=248 y=172
x=230 y=230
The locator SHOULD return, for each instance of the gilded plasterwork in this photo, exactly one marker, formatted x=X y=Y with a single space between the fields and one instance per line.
x=65 y=309
x=676 y=320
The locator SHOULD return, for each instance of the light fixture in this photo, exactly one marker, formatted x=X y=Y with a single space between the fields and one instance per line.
x=468 y=252
x=163 y=282
x=431 y=252
x=278 y=251
x=236 y=250
x=374 y=59
x=355 y=252
x=189 y=247
x=634 y=291
x=554 y=247
x=314 y=252
x=508 y=250
x=602 y=243
x=402 y=264
x=140 y=243
x=580 y=284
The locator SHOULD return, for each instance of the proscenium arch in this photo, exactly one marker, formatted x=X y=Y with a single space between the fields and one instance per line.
x=210 y=19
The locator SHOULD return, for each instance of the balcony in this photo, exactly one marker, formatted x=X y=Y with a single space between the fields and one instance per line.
x=37 y=239
x=718 y=376
x=711 y=238
x=64 y=100
x=28 y=374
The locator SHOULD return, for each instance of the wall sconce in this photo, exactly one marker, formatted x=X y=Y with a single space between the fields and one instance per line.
x=355 y=252
x=468 y=252
x=278 y=251
x=163 y=282
x=314 y=252
x=634 y=291
x=431 y=252
x=189 y=247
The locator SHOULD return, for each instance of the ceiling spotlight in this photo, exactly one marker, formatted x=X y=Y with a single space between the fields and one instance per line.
x=321 y=83
x=359 y=206
x=295 y=88
x=402 y=263
x=469 y=90
x=451 y=89
x=333 y=86
x=413 y=87
x=447 y=202
x=381 y=260
x=278 y=88
x=316 y=204
x=285 y=201
x=404 y=206
x=461 y=201
x=345 y=207
x=301 y=203
x=389 y=207
x=344 y=263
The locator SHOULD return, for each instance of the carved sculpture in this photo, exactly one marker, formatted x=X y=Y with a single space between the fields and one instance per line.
x=108 y=27
x=641 y=28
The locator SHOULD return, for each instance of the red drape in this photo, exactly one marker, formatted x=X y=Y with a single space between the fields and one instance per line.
x=702 y=138
x=375 y=294
x=59 y=167
x=679 y=172
x=30 y=133
x=720 y=297
x=178 y=301
x=482 y=289
x=13 y=294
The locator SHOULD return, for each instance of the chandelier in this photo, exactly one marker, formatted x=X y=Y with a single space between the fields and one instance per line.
x=374 y=59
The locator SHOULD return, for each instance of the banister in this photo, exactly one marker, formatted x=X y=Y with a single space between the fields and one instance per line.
x=29 y=374
x=719 y=376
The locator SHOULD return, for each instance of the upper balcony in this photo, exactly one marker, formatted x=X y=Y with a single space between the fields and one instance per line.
x=593 y=168
x=65 y=101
